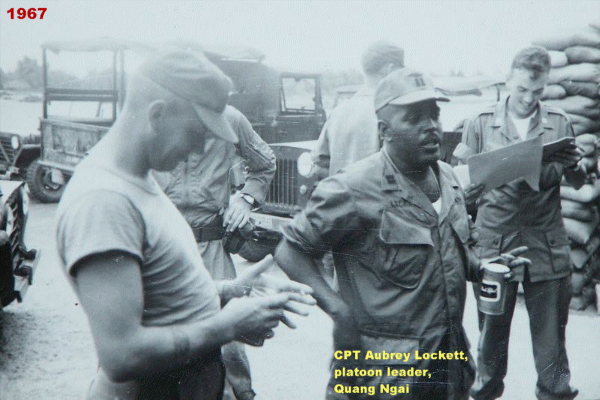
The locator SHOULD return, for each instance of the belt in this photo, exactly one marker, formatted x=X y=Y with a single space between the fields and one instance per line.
x=212 y=231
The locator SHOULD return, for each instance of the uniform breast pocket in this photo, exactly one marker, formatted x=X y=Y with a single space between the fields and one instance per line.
x=404 y=247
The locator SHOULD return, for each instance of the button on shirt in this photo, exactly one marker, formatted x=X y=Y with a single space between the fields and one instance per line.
x=514 y=214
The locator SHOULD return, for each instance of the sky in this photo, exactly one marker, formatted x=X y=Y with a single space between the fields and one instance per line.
x=438 y=36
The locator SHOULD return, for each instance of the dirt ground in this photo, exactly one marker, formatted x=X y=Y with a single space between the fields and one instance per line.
x=46 y=350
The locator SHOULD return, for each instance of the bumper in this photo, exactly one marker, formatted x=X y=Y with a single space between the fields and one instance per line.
x=269 y=222
x=24 y=274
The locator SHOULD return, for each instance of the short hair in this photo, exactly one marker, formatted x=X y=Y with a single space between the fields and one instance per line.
x=534 y=59
x=380 y=54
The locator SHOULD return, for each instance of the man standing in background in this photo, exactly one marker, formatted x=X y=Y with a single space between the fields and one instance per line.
x=200 y=188
x=514 y=215
x=350 y=133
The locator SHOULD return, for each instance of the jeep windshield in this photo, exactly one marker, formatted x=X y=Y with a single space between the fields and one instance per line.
x=299 y=93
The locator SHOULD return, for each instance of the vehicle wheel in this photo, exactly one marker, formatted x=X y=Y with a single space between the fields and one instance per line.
x=254 y=251
x=40 y=184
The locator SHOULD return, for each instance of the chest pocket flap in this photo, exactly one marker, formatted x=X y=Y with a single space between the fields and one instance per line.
x=396 y=230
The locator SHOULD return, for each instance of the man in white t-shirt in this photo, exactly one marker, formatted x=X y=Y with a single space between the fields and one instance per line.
x=154 y=312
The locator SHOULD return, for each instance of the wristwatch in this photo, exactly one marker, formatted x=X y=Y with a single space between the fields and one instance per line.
x=248 y=199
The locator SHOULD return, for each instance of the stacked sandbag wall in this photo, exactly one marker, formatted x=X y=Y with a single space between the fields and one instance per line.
x=574 y=80
x=581 y=215
x=574 y=86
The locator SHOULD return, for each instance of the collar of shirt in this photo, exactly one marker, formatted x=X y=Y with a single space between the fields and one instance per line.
x=537 y=126
x=393 y=180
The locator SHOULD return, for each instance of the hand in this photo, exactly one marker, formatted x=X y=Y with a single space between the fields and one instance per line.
x=569 y=156
x=256 y=278
x=253 y=319
x=237 y=214
x=473 y=192
x=511 y=259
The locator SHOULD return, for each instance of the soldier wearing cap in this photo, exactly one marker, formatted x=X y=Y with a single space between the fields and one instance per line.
x=200 y=188
x=513 y=215
x=154 y=311
x=397 y=225
x=350 y=133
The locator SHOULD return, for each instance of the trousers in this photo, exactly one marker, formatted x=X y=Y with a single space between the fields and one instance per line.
x=238 y=382
x=547 y=304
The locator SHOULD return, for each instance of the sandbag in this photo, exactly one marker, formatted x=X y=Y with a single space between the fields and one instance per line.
x=554 y=92
x=579 y=256
x=574 y=88
x=575 y=210
x=581 y=301
x=585 y=72
x=583 y=124
x=579 y=105
x=586 y=194
x=581 y=54
x=558 y=58
x=560 y=41
x=580 y=232
x=587 y=143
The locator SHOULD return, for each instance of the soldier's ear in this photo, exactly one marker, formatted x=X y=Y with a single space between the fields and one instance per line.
x=383 y=127
x=156 y=111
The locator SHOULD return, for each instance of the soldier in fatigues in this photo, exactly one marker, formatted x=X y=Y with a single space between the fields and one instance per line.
x=514 y=215
x=399 y=231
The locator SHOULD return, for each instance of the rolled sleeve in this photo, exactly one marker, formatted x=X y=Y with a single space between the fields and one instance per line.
x=259 y=158
x=329 y=218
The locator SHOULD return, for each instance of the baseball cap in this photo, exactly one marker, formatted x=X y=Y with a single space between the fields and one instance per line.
x=197 y=80
x=405 y=86
x=379 y=54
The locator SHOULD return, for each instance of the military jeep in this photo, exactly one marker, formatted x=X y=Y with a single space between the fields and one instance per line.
x=17 y=263
x=282 y=106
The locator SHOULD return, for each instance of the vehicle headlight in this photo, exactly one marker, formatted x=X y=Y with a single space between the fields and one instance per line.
x=25 y=197
x=305 y=164
x=10 y=221
x=15 y=143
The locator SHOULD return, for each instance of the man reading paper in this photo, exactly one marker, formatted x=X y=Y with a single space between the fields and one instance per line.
x=514 y=215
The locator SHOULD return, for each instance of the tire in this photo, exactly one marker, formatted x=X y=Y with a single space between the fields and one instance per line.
x=254 y=251
x=40 y=185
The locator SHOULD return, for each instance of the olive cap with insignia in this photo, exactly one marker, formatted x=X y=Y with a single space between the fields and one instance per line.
x=405 y=86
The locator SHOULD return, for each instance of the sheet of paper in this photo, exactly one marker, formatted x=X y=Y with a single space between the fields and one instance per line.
x=497 y=167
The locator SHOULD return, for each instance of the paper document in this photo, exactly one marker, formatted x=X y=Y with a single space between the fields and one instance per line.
x=497 y=167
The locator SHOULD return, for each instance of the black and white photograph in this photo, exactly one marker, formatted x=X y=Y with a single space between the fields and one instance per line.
x=300 y=200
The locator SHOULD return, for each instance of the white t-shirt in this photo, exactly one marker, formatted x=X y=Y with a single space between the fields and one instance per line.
x=105 y=210
x=522 y=124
